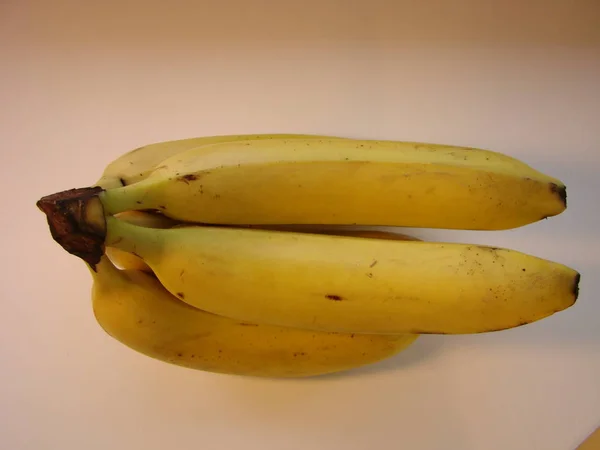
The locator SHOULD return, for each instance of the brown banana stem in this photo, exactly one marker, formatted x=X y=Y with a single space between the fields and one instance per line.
x=76 y=221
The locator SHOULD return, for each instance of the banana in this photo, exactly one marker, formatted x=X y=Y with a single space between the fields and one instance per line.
x=126 y=260
x=137 y=164
x=243 y=271
x=349 y=284
x=136 y=310
x=344 y=182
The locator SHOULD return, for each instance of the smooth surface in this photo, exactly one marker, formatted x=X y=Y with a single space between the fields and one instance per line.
x=81 y=84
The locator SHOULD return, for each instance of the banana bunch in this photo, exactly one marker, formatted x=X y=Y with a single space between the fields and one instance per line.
x=232 y=254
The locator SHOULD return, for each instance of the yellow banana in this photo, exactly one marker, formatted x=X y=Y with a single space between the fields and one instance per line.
x=270 y=290
x=136 y=164
x=344 y=181
x=135 y=309
x=126 y=260
x=349 y=284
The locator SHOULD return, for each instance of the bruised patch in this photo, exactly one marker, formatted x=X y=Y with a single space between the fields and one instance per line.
x=180 y=295
x=187 y=178
x=335 y=298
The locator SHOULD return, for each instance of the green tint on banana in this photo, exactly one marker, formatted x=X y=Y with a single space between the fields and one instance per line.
x=126 y=260
x=136 y=310
x=344 y=182
x=348 y=284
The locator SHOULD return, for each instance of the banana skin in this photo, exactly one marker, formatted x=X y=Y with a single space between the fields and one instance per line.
x=349 y=284
x=136 y=310
x=138 y=163
x=344 y=182
x=129 y=261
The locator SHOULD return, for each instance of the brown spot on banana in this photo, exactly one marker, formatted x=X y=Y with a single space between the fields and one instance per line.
x=187 y=178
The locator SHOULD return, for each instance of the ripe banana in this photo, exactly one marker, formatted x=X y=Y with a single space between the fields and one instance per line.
x=349 y=284
x=241 y=269
x=137 y=164
x=126 y=260
x=135 y=309
x=344 y=182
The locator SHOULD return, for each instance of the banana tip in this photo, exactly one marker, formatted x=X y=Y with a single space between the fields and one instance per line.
x=576 y=285
x=561 y=191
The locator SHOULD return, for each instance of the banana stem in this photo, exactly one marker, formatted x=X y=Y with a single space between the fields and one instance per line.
x=126 y=236
x=119 y=199
x=76 y=221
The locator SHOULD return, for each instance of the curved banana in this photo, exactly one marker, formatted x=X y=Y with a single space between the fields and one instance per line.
x=133 y=308
x=126 y=260
x=137 y=164
x=129 y=261
x=344 y=181
x=348 y=284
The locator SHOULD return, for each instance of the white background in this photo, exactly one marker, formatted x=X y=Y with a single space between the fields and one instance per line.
x=83 y=82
